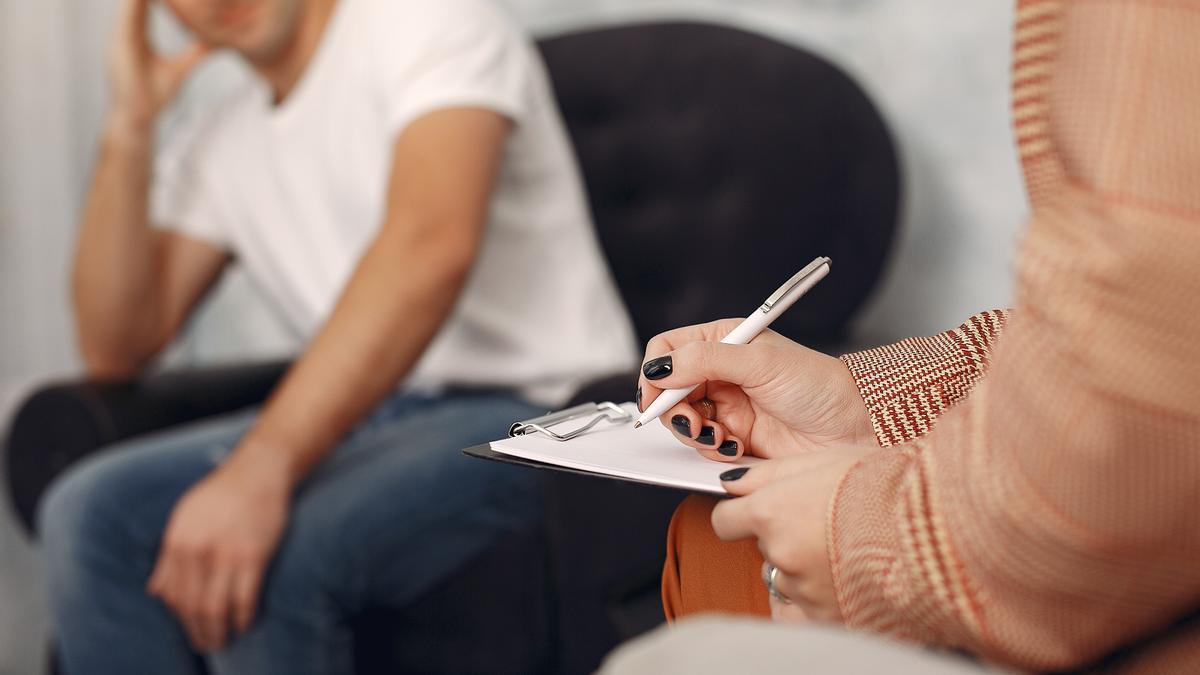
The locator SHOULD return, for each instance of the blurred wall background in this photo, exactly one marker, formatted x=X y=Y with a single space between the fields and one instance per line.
x=937 y=68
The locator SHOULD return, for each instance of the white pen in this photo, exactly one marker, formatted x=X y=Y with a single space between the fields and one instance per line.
x=772 y=308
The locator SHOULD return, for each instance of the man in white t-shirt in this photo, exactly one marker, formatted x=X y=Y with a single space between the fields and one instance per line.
x=398 y=183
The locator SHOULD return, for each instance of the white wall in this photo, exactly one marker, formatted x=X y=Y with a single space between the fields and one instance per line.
x=938 y=69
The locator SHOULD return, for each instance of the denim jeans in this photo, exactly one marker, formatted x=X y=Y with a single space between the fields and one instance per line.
x=393 y=510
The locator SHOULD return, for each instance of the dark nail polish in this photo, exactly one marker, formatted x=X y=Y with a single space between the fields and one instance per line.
x=657 y=369
x=734 y=474
x=707 y=436
x=637 y=400
x=728 y=448
x=682 y=425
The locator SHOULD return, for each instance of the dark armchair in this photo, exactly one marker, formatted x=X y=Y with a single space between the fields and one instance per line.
x=717 y=163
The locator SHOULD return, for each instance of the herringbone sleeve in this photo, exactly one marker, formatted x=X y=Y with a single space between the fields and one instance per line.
x=1054 y=515
x=907 y=385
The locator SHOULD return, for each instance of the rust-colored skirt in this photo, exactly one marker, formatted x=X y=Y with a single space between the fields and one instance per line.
x=704 y=574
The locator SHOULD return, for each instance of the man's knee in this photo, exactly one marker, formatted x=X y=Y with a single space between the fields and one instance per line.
x=66 y=506
x=112 y=504
x=73 y=523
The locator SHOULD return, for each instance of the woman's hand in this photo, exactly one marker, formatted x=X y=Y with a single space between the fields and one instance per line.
x=773 y=396
x=784 y=503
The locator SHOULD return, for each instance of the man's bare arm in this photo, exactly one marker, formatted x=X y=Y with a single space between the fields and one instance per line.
x=224 y=531
x=402 y=291
x=133 y=285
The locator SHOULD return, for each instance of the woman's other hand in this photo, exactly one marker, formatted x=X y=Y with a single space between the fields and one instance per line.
x=773 y=397
x=784 y=504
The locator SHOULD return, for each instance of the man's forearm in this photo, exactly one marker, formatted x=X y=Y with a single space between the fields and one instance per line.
x=401 y=292
x=114 y=272
x=399 y=296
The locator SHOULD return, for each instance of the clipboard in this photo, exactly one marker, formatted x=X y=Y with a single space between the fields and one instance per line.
x=598 y=440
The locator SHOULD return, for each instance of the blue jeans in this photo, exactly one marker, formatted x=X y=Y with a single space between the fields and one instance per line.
x=393 y=510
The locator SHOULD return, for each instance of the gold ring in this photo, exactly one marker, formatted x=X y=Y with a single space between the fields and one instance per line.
x=706 y=408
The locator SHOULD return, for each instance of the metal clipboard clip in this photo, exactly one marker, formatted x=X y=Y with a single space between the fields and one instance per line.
x=600 y=412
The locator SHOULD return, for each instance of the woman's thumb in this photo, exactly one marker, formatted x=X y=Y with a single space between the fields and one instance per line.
x=696 y=362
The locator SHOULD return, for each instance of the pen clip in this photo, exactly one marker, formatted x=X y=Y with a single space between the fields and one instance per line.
x=796 y=279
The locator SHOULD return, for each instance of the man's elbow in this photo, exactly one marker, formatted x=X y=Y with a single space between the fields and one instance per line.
x=115 y=358
x=104 y=365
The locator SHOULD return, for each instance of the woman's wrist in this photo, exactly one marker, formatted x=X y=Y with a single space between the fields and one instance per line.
x=858 y=417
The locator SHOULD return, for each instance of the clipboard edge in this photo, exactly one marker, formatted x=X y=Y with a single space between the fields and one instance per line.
x=485 y=451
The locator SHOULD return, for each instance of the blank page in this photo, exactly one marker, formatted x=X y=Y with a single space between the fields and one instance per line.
x=650 y=454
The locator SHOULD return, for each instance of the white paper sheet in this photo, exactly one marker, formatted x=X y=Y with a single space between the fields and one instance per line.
x=650 y=454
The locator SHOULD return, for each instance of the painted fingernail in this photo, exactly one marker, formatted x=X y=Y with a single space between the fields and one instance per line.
x=682 y=425
x=657 y=369
x=637 y=400
x=728 y=448
x=734 y=474
x=707 y=436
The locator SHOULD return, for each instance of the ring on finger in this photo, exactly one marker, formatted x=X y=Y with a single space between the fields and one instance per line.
x=769 y=575
x=706 y=408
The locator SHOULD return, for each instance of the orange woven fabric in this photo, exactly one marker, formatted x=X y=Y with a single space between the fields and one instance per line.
x=1055 y=515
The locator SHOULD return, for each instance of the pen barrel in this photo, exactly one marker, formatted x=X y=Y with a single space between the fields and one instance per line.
x=665 y=402
x=748 y=329
x=759 y=319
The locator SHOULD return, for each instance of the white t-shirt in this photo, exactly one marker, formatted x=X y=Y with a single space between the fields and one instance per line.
x=298 y=191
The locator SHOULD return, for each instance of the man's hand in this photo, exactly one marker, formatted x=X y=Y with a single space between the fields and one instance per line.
x=218 y=542
x=143 y=81
x=784 y=504
x=773 y=397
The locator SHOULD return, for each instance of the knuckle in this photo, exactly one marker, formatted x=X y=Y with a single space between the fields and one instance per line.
x=761 y=515
x=657 y=346
x=244 y=600
x=762 y=364
x=183 y=546
x=248 y=556
x=656 y=342
x=694 y=356
x=211 y=612
x=181 y=550
x=720 y=516
x=786 y=555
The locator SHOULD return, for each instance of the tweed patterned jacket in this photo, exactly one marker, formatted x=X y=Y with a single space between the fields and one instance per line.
x=1053 y=514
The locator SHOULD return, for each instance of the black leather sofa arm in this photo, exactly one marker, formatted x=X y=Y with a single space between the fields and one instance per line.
x=62 y=422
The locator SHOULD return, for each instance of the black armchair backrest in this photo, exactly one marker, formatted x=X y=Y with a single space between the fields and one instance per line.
x=718 y=163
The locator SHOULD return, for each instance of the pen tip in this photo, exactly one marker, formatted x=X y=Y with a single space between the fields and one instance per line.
x=636 y=425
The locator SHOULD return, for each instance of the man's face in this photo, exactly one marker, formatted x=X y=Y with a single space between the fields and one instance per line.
x=258 y=29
